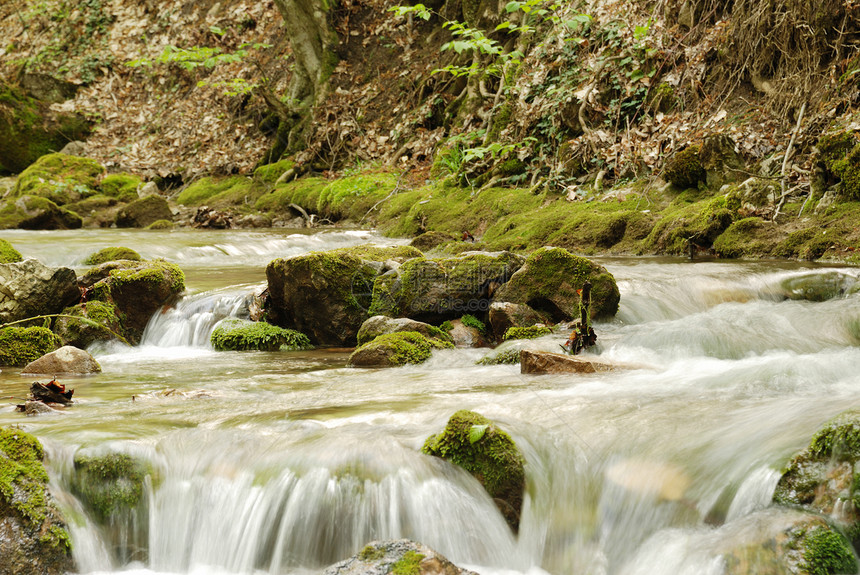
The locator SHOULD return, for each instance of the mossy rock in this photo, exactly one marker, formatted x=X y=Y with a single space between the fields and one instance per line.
x=746 y=238
x=532 y=332
x=9 y=254
x=36 y=539
x=136 y=289
x=269 y=173
x=61 y=178
x=99 y=321
x=826 y=475
x=435 y=289
x=327 y=295
x=396 y=557
x=700 y=221
x=22 y=345
x=430 y=240
x=509 y=356
x=30 y=130
x=122 y=186
x=109 y=485
x=396 y=349
x=685 y=169
x=143 y=212
x=161 y=225
x=381 y=325
x=355 y=196
x=242 y=335
x=549 y=282
x=112 y=254
x=217 y=191
x=476 y=444
x=35 y=213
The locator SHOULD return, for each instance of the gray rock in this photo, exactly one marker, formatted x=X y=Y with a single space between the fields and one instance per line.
x=466 y=336
x=76 y=148
x=383 y=557
x=381 y=325
x=31 y=288
x=148 y=189
x=66 y=360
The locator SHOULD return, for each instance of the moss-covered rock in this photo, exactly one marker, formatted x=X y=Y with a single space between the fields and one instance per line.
x=61 y=178
x=745 y=238
x=691 y=220
x=30 y=130
x=34 y=213
x=143 y=212
x=435 y=289
x=99 y=321
x=508 y=356
x=240 y=335
x=161 y=225
x=269 y=173
x=218 y=191
x=825 y=477
x=110 y=255
x=109 y=485
x=8 y=254
x=685 y=169
x=531 y=332
x=30 y=288
x=402 y=557
x=549 y=282
x=429 y=240
x=136 y=289
x=122 y=186
x=21 y=345
x=382 y=325
x=35 y=538
x=396 y=349
x=505 y=315
x=476 y=444
x=327 y=295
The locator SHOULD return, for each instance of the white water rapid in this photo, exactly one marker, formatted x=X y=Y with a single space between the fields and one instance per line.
x=284 y=463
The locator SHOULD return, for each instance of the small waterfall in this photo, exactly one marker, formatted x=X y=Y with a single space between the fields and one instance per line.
x=191 y=322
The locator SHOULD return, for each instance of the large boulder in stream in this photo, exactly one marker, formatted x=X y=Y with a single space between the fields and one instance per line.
x=86 y=323
x=825 y=477
x=550 y=282
x=22 y=345
x=327 y=295
x=136 y=289
x=33 y=535
x=400 y=557
x=436 y=289
x=383 y=325
x=30 y=288
x=476 y=444
x=67 y=360
x=396 y=349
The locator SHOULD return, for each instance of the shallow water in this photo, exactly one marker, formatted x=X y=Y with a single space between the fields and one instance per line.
x=288 y=462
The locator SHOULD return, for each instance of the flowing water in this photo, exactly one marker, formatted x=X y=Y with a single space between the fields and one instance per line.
x=288 y=462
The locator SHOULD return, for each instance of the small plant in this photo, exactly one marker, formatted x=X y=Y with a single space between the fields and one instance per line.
x=471 y=321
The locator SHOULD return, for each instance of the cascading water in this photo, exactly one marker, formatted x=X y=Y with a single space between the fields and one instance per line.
x=283 y=463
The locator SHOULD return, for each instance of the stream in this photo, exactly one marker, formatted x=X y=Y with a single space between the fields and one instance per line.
x=287 y=462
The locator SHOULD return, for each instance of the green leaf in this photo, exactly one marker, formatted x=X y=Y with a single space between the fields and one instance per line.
x=513 y=6
x=476 y=432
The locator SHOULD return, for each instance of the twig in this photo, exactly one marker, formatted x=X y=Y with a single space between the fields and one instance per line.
x=785 y=160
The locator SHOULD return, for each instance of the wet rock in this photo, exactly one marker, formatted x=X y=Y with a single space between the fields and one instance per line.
x=148 y=189
x=327 y=295
x=435 y=289
x=396 y=349
x=61 y=178
x=22 y=345
x=254 y=221
x=466 y=335
x=504 y=315
x=98 y=322
x=401 y=557
x=66 y=360
x=33 y=535
x=30 y=288
x=29 y=129
x=241 y=335
x=33 y=408
x=825 y=477
x=111 y=255
x=543 y=362
x=721 y=161
x=143 y=212
x=136 y=289
x=34 y=213
x=817 y=286
x=382 y=325
x=549 y=280
x=476 y=444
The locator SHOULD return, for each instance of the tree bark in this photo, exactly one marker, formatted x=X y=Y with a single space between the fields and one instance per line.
x=311 y=38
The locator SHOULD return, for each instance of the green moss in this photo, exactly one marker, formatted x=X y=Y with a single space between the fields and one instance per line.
x=303 y=192
x=21 y=345
x=219 y=191
x=354 y=196
x=143 y=212
x=506 y=357
x=111 y=254
x=840 y=438
x=848 y=170
x=403 y=347
x=109 y=485
x=371 y=553
x=81 y=333
x=60 y=178
x=532 y=332
x=154 y=271
x=827 y=552
x=473 y=442
x=471 y=321
x=685 y=170
x=120 y=186
x=446 y=326
x=378 y=253
x=160 y=225
x=240 y=335
x=741 y=239
x=270 y=173
x=409 y=564
x=8 y=254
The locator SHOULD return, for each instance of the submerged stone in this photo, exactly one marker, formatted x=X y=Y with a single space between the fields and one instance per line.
x=476 y=444
x=542 y=363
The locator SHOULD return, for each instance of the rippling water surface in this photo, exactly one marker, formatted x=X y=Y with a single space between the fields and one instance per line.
x=288 y=462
